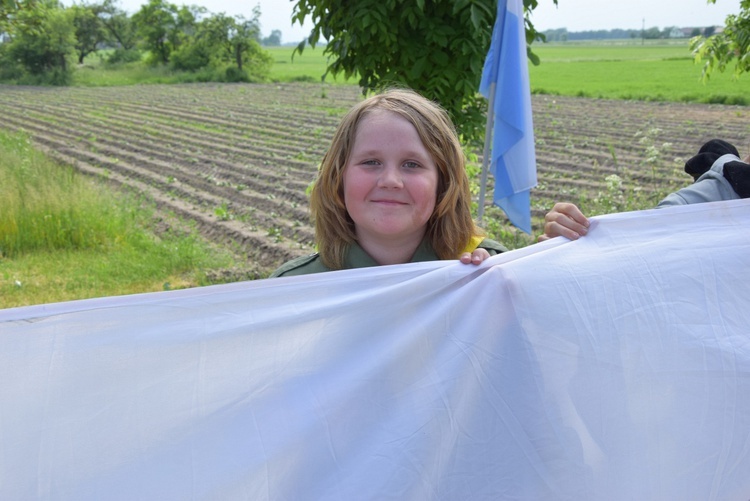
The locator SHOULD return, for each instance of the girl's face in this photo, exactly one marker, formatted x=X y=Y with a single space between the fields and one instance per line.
x=390 y=181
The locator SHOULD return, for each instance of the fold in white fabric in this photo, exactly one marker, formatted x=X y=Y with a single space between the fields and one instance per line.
x=613 y=367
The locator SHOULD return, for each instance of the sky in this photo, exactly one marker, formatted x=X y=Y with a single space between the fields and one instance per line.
x=575 y=15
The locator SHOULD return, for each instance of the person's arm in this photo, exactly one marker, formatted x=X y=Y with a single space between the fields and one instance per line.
x=719 y=175
x=711 y=186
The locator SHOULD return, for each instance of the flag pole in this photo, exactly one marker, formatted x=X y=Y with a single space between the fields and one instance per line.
x=486 y=161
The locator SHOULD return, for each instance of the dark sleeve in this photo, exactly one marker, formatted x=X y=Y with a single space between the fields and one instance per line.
x=491 y=246
x=303 y=265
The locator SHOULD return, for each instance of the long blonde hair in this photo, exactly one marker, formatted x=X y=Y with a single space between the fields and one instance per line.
x=449 y=229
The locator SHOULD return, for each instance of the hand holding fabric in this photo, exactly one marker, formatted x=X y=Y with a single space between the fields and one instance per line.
x=476 y=257
x=566 y=220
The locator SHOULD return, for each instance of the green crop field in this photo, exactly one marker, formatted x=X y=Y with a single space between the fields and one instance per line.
x=310 y=66
x=663 y=72
x=627 y=69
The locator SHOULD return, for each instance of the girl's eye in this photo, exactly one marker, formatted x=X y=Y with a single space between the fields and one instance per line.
x=411 y=165
x=370 y=162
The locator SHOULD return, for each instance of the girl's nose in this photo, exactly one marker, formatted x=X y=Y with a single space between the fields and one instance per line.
x=390 y=177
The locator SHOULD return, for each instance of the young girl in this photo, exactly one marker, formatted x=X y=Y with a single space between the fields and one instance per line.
x=392 y=189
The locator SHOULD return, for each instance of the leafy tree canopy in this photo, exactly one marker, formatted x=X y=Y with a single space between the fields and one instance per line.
x=163 y=27
x=7 y=8
x=436 y=47
x=221 y=39
x=732 y=44
x=274 y=39
x=42 y=38
x=120 y=28
x=89 y=29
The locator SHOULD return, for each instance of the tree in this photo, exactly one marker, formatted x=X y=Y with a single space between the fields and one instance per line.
x=436 y=47
x=243 y=44
x=221 y=39
x=232 y=37
x=42 y=40
x=732 y=44
x=163 y=27
x=153 y=22
x=274 y=39
x=653 y=33
x=8 y=8
x=119 y=25
x=89 y=30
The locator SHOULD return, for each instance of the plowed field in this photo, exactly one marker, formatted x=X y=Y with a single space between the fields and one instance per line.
x=236 y=159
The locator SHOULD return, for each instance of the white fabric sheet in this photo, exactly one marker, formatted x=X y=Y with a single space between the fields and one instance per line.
x=614 y=367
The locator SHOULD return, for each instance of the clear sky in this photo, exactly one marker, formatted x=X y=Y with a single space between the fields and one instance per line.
x=575 y=15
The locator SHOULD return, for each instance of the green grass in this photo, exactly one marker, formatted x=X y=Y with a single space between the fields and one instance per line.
x=64 y=236
x=310 y=66
x=618 y=50
x=661 y=70
x=96 y=74
x=652 y=72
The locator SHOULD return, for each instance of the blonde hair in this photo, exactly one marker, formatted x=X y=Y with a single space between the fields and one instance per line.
x=449 y=229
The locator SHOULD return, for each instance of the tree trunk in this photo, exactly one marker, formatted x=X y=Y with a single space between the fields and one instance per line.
x=238 y=56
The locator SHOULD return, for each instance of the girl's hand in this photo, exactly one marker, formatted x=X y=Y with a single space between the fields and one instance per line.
x=476 y=257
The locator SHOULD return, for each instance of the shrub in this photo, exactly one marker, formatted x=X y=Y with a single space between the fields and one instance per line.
x=234 y=74
x=120 y=56
x=190 y=57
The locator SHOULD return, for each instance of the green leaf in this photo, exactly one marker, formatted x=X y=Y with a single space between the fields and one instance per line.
x=440 y=58
x=460 y=5
x=418 y=68
x=532 y=57
x=476 y=18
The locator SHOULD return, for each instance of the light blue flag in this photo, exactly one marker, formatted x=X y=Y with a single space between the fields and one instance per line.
x=505 y=83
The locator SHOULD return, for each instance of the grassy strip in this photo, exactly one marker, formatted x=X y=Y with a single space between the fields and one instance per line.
x=64 y=236
x=310 y=66
x=97 y=74
x=652 y=72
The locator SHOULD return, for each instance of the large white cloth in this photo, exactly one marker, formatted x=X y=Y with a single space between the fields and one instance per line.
x=613 y=367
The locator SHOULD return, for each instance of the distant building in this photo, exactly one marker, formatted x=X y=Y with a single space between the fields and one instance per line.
x=678 y=33
x=694 y=31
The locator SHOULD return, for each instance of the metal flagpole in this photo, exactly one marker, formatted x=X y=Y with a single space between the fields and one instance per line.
x=486 y=161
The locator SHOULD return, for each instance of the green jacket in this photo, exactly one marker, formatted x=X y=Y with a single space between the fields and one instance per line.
x=358 y=258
